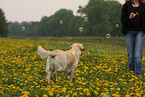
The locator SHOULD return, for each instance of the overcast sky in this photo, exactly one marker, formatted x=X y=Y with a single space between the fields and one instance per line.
x=34 y=10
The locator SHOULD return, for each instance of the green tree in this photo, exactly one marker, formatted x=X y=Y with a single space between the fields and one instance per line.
x=23 y=29
x=102 y=17
x=3 y=24
x=15 y=29
x=74 y=25
x=58 y=24
x=98 y=18
x=114 y=17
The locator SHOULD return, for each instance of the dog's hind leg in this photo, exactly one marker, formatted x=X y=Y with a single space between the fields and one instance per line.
x=72 y=75
x=49 y=75
x=55 y=76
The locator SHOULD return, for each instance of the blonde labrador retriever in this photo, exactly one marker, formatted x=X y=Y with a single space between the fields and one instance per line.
x=58 y=60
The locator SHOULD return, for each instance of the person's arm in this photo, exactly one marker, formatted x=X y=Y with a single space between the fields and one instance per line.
x=124 y=14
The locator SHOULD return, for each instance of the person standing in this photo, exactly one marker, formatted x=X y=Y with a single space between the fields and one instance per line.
x=133 y=28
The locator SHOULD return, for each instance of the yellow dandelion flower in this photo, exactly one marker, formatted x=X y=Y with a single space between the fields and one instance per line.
x=50 y=93
x=88 y=94
x=118 y=89
x=138 y=94
x=36 y=95
x=127 y=95
x=45 y=95
x=81 y=93
x=75 y=94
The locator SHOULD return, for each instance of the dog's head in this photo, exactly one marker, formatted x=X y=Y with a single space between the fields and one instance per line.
x=78 y=45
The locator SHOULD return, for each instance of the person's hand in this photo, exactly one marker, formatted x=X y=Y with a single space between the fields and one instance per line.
x=132 y=15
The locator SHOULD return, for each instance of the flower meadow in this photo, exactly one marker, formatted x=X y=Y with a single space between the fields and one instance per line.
x=102 y=71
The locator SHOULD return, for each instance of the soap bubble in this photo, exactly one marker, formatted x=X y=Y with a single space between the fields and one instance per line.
x=85 y=19
x=23 y=28
x=61 y=22
x=117 y=25
x=81 y=29
x=108 y=35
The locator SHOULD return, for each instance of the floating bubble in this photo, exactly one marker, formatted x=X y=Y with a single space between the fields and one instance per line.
x=85 y=19
x=108 y=35
x=23 y=28
x=81 y=29
x=61 y=22
x=117 y=25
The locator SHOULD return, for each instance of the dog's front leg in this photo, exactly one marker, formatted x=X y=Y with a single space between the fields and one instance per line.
x=49 y=72
x=55 y=76
x=72 y=75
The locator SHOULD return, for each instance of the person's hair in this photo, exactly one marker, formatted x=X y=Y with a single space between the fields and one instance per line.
x=140 y=1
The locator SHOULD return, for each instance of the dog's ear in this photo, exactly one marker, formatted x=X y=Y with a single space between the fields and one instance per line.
x=82 y=48
x=71 y=46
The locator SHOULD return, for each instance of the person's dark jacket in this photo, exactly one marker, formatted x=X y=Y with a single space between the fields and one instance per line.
x=125 y=13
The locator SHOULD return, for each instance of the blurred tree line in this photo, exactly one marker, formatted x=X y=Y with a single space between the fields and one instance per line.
x=3 y=24
x=97 y=18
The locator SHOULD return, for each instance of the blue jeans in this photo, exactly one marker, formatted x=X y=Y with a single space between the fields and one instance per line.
x=135 y=42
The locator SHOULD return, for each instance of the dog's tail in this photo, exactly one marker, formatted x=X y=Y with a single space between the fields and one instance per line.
x=43 y=53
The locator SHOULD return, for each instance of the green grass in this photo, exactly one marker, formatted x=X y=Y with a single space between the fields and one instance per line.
x=102 y=69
